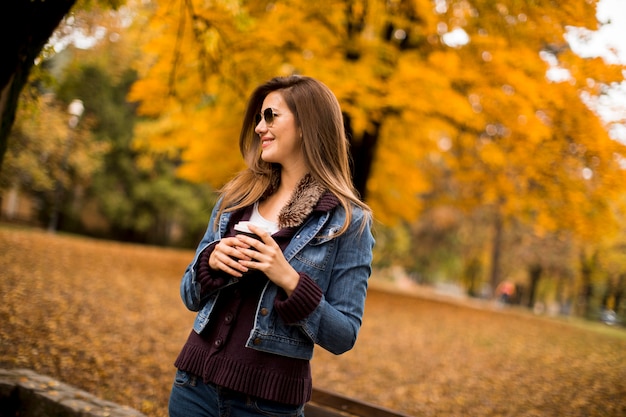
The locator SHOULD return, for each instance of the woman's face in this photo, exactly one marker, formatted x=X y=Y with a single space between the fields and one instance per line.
x=280 y=137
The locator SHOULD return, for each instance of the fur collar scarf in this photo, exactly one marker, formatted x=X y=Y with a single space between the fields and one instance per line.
x=305 y=199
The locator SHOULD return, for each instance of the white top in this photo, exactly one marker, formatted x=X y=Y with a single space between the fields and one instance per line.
x=258 y=220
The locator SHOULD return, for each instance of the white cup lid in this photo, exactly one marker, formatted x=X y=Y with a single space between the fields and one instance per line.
x=243 y=227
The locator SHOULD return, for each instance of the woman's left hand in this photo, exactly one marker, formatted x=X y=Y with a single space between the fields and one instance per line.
x=268 y=258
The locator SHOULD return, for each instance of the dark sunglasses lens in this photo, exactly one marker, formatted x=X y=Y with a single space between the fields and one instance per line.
x=268 y=114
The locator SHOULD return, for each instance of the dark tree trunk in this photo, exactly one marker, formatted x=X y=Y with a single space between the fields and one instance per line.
x=361 y=154
x=587 y=266
x=496 y=253
x=534 y=275
x=471 y=273
x=619 y=292
x=25 y=27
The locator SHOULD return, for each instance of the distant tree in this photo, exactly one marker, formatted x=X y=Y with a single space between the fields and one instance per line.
x=49 y=159
x=135 y=192
x=131 y=193
x=26 y=27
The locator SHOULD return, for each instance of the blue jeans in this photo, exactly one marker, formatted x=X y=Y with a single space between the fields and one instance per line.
x=191 y=397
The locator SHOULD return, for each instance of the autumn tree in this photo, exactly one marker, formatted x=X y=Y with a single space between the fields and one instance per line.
x=475 y=124
x=48 y=158
x=90 y=177
x=137 y=191
x=26 y=27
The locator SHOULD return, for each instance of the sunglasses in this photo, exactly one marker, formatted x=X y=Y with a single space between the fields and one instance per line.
x=268 y=114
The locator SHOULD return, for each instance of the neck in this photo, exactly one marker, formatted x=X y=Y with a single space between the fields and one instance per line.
x=289 y=179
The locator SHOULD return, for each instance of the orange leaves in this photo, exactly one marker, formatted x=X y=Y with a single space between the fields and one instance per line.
x=473 y=125
x=72 y=309
x=217 y=142
x=107 y=317
x=391 y=182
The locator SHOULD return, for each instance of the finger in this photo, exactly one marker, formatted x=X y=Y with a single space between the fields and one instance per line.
x=253 y=264
x=234 y=272
x=227 y=245
x=252 y=256
x=226 y=255
x=247 y=242
x=231 y=247
x=231 y=265
x=262 y=234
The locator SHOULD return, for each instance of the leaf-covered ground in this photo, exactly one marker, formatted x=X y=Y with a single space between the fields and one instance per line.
x=106 y=317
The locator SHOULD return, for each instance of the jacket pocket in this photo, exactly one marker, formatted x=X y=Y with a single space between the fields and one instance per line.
x=319 y=250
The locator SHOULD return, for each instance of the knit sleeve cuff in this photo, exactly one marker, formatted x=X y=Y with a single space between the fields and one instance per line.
x=208 y=278
x=302 y=302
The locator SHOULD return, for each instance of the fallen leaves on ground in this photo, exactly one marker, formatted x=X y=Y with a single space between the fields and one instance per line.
x=106 y=317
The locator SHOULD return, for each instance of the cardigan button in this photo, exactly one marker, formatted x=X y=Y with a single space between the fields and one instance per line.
x=229 y=318
x=218 y=343
x=264 y=311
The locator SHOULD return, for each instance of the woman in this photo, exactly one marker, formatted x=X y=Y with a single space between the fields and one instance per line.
x=263 y=302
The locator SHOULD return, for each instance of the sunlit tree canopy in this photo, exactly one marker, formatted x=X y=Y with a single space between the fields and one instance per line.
x=445 y=101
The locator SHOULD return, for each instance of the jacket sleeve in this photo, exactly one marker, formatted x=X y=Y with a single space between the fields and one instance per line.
x=304 y=300
x=336 y=322
x=190 y=288
x=208 y=278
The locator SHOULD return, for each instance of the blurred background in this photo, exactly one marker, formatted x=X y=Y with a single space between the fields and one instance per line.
x=488 y=137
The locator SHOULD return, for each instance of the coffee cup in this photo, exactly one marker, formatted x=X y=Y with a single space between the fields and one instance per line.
x=242 y=228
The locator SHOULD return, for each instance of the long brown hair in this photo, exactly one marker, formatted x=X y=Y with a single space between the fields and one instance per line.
x=325 y=147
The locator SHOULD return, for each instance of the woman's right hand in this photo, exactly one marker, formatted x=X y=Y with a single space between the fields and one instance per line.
x=225 y=257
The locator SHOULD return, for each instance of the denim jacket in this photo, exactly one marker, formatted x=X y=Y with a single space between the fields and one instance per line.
x=341 y=266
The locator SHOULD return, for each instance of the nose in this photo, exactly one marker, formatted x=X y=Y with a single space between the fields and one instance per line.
x=260 y=127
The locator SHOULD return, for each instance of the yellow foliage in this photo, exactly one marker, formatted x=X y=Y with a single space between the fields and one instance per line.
x=476 y=124
x=44 y=149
